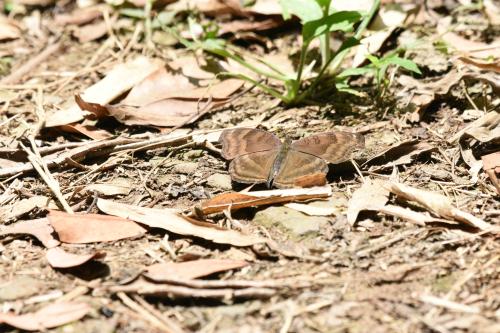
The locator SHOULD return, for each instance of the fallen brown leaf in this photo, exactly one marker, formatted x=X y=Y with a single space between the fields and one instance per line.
x=491 y=165
x=400 y=153
x=53 y=315
x=90 y=228
x=39 y=228
x=437 y=204
x=484 y=129
x=235 y=200
x=87 y=130
x=165 y=99
x=190 y=269
x=119 y=80
x=370 y=196
x=80 y=16
x=171 y=221
x=9 y=29
x=58 y=258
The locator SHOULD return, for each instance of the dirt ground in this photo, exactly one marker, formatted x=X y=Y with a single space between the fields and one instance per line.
x=326 y=272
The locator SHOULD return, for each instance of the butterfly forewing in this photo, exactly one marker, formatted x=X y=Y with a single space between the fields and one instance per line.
x=252 y=168
x=297 y=165
x=334 y=147
x=241 y=141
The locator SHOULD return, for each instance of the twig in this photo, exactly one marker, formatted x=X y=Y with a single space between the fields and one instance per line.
x=144 y=313
x=31 y=64
x=173 y=326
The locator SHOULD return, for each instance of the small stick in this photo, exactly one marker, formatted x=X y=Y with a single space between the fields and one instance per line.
x=31 y=64
x=143 y=312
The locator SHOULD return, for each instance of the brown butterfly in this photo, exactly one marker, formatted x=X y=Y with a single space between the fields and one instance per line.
x=258 y=156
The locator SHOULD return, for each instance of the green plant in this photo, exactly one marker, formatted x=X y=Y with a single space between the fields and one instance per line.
x=318 y=19
x=378 y=68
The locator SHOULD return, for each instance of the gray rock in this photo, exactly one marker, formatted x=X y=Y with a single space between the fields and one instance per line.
x=186 y=168
x=297 y=225
x=220 y=180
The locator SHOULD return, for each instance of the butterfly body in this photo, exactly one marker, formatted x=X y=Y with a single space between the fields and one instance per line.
x=258 y=156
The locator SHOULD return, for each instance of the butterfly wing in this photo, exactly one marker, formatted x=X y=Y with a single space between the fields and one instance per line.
x=241 y=141
x=334 y=147
x=252 y=168
x=296 y=166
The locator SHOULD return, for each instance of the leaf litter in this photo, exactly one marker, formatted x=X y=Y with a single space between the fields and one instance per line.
x=420 y=249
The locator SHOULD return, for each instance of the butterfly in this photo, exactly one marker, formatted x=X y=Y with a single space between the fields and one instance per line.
x=258 y=156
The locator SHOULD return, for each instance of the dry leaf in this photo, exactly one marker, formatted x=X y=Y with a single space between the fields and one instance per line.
x=190 y=269
x=165 y=99
x=484 y=129
x=87 y=130
x=53 y=315
x=370 y=196
x=93 y=31
x=173 y=222
x=58 y=258
x=90 y=228
x=400 y=153
x=119 y=80
x=109 y=189
x=235 y=200
x=472 y=48
x=8 y=29
x=39 y=228
x=491 y=165
x=437 y=204
x=80 y=16
x=24 y=206
x=482 y=64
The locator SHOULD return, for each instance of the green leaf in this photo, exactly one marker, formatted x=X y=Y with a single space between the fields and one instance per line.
x=137 y=13
x=306 y=10
x=342 y=21
x=354 y=72
x=374 y=60
x=405 y=63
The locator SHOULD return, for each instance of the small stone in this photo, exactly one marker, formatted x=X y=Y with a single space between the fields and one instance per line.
x=186 y=168
x=20 y=287
x=220 y=180
x=294 y=223
x=193 y=154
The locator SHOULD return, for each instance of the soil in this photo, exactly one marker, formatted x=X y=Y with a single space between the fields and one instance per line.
x=383 y=274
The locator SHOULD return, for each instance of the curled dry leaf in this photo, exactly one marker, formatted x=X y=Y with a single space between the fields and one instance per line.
x=370 y=196
x=39 y=228
x=472 y=48
x=484 y=129
x=423 y=93
x=235 y=200
x=491 y=165
x=400 y=153
x=8 y=29
x=53 y=315
x=437 y=204
x=119 y=80
x=165 y=99
x=190 y=269
x=171 y=221
x=58 y=258
x=90 y=228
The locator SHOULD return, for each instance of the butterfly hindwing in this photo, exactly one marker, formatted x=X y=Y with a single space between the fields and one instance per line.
x=296 y=166
x=334 y=147
x=252 y=168
x=241 y=141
